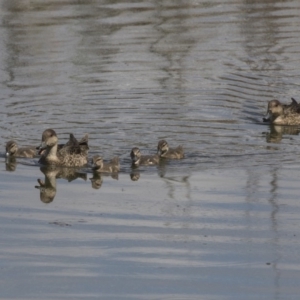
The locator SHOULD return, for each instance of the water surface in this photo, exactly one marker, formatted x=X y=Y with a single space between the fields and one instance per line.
x=220 y=224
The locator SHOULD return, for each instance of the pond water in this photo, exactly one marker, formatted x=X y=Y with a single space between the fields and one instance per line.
x=223 y=223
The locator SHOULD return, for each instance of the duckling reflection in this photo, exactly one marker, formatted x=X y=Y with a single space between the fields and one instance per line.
x=47 y=187
x=135 y=175
x=10 y=164
x=96 y=180
x=276 y=133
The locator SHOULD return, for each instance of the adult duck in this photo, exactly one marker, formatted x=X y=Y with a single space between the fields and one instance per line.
x=72 y=154
x=283 y=114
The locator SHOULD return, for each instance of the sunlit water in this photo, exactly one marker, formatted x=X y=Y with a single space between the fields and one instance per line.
x=223 y=222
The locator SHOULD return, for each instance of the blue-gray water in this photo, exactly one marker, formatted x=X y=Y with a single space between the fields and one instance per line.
x=223 y=223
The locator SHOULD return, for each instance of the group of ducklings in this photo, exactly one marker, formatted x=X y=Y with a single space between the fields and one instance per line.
x=75 y=153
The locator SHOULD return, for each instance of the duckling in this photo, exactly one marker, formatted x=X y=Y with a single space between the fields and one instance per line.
x=164 y=151
x=72 y=154
x=283 y=114
x=12 y=150
x=145 y=160
x=99 y=166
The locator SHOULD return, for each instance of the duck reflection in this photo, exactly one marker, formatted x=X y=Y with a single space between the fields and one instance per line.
x=96 y=181
x=135 y=175
x=97 y=178
x=161 y=169
x=276 y=133
x=47 y=187
x=10 y=164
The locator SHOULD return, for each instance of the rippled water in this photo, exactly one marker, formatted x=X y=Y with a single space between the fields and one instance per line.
x=222 y=223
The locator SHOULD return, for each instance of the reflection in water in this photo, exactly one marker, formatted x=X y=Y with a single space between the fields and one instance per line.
x=276 y=133
x=136 y=72
x=97 y=178
x=135 y=173
x=11 y=164
x=252 y=189
x=258 y=43
x=173 y=66
x=47 y=187
x=276 y=238
x=171 y=185
x=179 y=203
x=161 y=169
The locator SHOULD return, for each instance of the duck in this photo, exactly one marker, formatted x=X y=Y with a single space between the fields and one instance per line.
x=146 y=160
x=72 y=154
x=165 y=152
x=99 y=166
x=12 y=150
x=283 y=114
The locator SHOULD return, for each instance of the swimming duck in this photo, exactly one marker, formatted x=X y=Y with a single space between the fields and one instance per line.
x=72 y=154
x=99 y=166
x=12 y=150
x=283 y=114
x=164 y=151
x=146 y=160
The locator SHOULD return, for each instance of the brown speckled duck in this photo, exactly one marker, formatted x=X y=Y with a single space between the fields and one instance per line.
x=12 y=150
x=165 y=152
x=99 y=166
x=142 y=160
x=72 y=154
x=283 y=114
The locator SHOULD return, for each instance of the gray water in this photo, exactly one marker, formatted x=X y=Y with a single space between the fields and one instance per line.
x=223 y=223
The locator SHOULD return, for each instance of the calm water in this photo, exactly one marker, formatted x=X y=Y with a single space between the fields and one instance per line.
x=221 y=224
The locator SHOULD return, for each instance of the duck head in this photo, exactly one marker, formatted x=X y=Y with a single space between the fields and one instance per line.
x=162 y=147
x=11 y=148
x=135 y=155
x=49 y=140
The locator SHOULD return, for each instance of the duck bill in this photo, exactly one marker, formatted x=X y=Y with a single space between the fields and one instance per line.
x=267 y=117
x=134 y=159
x=41 y=148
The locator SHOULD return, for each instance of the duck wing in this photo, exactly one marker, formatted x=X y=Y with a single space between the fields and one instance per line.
x=71 y=147
x=292 y=108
